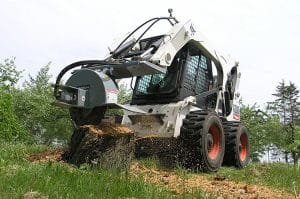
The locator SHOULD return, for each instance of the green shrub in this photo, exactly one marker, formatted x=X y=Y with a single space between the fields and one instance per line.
x=10 y=127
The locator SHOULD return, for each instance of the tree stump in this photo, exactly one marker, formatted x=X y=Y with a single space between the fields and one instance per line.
x=107 y=145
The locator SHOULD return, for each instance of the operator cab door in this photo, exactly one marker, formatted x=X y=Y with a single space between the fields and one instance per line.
x=159 y=88
x=197 y=76
x=198 y=79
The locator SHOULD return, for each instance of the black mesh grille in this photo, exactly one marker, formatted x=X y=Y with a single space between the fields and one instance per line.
x=196 y=78
x=191 y=71
x=202 y=76
x=144 y=84
x=146 y=81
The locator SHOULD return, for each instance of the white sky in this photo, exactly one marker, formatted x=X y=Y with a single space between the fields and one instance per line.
x=263 y=35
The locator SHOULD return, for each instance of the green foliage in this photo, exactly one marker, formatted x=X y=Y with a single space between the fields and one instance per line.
x=286 y=105
x=286 y=102
x=124 y=96
x=295 y=146
x=34 y=107
x=9 y=75
x=15 y=153
x=275 y=126
x=10 y=127
x=264 y=130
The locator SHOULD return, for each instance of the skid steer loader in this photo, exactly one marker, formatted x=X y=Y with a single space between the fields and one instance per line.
x=182 y=89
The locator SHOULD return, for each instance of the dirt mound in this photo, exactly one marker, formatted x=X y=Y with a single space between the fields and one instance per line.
x=54 y=155
x=34 y=195
x=106 y=145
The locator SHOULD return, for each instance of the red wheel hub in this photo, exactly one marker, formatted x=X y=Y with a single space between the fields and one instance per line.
x=243 y=146
x=214 y=142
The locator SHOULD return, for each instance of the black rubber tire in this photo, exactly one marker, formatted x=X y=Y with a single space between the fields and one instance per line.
x=194 y=135
x=234 y=154
x=87 y=116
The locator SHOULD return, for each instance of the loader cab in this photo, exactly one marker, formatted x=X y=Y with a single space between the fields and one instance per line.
x=190 y=74
x=159 y=88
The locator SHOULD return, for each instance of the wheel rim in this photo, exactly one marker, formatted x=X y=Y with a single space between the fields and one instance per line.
x=243 y=146
x=213 y=142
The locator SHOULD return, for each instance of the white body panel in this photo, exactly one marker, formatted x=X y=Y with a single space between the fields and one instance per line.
x=169 y=125
x=179 y=35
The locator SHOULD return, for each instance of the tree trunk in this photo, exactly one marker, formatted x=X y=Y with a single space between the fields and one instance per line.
x=107 y=146
x=295 y=157
x=286 y=157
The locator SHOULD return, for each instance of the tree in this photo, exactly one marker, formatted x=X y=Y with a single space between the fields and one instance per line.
x=286 y=105
x=124 y=96
x=34 y=106
x=295 y=146
x=10 y=127
x=9 y=75
x=263 y=128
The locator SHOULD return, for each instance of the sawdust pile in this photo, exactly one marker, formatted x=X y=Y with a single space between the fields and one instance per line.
x=54 y=155
x=106 y=145
x=34 y=195
x=218 y=186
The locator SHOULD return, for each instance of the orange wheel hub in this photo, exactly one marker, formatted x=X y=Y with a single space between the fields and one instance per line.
x=243 y=146
x=214 y=142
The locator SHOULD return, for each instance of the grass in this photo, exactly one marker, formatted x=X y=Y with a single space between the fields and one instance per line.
x=57 y=180
x=277 y=175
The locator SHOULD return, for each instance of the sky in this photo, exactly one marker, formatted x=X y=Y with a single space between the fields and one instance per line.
x=263 y=35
